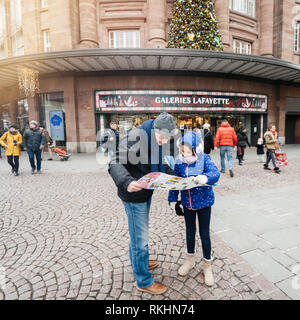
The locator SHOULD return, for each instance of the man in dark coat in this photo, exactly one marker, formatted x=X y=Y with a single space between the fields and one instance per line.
x=140 y=153
x=110 y=139
x=242 y=142
x=208 y=139
x=34 y=142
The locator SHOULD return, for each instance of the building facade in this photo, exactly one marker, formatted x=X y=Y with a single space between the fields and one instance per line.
x=103 y=60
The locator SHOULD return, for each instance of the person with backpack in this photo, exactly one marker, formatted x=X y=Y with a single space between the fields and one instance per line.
x=11 y=140
x=34 y=142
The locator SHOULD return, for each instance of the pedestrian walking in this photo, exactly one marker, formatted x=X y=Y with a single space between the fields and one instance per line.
x=260 y=150
x=271 y=145
x=11 y=140
x=125 y=169
x=196 y=202
x=208 y=139
x=226 y=140
x=110 y=139
x=49 y=142
x=34 y=142
x=1 y=134
x=242 y=142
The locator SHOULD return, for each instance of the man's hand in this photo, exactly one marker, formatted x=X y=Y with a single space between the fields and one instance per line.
x=5 y=146
x=201 y=179
x=134 y=187
x=41 y=147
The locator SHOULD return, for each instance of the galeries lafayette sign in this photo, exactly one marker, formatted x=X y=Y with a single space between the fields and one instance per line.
x=158 y=100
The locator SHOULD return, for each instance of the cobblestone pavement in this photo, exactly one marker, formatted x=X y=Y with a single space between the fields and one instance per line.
x=63 y=235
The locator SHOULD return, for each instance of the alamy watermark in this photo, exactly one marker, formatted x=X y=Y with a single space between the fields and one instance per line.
x=296 y=279
x=139 y=147
x=2 y=278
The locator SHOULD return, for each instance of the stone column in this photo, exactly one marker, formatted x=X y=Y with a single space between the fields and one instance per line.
x=222 y=14
x=71 y=115
x=31 y=33
x=157 y=13
x=281 y=109
x=88 y=24
x=12 y=111
x=33 y=109
x=266 y=27
x=288 y=31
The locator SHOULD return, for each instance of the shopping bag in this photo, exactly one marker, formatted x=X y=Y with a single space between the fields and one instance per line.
x=281 y=158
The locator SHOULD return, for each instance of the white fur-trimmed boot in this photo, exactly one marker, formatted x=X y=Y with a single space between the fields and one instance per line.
x=188 y=265
x=207 y=270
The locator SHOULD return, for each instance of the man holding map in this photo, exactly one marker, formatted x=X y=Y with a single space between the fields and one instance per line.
x=139 y=154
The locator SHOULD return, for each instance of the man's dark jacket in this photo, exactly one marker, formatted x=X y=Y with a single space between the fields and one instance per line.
x=33 y=139
x=242 y=139
x=136 y=143
x=208 y=141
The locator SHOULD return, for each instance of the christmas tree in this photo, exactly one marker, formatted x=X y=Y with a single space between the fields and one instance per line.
x=194 y=26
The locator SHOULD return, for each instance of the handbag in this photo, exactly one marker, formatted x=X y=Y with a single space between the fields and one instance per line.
x=281 y=158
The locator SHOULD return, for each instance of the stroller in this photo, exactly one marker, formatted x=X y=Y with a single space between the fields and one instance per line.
x=62 y=154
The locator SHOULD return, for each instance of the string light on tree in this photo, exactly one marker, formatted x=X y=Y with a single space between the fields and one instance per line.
x=194 y=26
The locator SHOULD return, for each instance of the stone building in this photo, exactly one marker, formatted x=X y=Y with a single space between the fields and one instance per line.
x=103 y=60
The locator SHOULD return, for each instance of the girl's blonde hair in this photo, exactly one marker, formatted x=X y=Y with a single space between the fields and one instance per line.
x=260 y=140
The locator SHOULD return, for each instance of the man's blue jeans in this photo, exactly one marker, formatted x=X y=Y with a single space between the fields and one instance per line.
x=138 y=223
x=229 y=151
x=38 y=155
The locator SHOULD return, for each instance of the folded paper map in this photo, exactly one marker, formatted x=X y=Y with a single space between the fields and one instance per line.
x=159 y=180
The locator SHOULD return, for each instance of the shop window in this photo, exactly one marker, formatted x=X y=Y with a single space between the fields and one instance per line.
x=4 y=118
x=46 y=39
x=296 y=36
x=124 y=39
x=44 y=4
x=22 y=115
x=242 y=47
x=49 y=104
x=247 y=7
x=16 y=28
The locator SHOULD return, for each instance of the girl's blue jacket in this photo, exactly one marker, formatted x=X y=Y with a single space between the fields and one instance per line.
x=199 y=197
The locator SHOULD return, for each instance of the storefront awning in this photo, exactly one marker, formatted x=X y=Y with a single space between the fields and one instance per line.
x=162 y=60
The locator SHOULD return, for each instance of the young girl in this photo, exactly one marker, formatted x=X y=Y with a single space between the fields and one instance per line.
x=197 y=201
x=260 y=150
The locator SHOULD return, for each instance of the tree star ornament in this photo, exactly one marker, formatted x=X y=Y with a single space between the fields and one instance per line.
x=191 y=36
x=194 y=26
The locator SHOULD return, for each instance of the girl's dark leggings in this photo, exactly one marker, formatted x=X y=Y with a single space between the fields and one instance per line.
x=204 y=223
x=13 y=162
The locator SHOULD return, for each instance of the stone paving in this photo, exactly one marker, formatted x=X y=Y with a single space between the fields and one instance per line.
x=63 y=235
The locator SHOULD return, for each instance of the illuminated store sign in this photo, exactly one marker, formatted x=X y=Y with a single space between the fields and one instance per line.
x=160 y=100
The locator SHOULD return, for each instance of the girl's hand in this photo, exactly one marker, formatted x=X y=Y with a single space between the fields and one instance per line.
x=172 y=205
x=201 y=179
x=189 y=179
